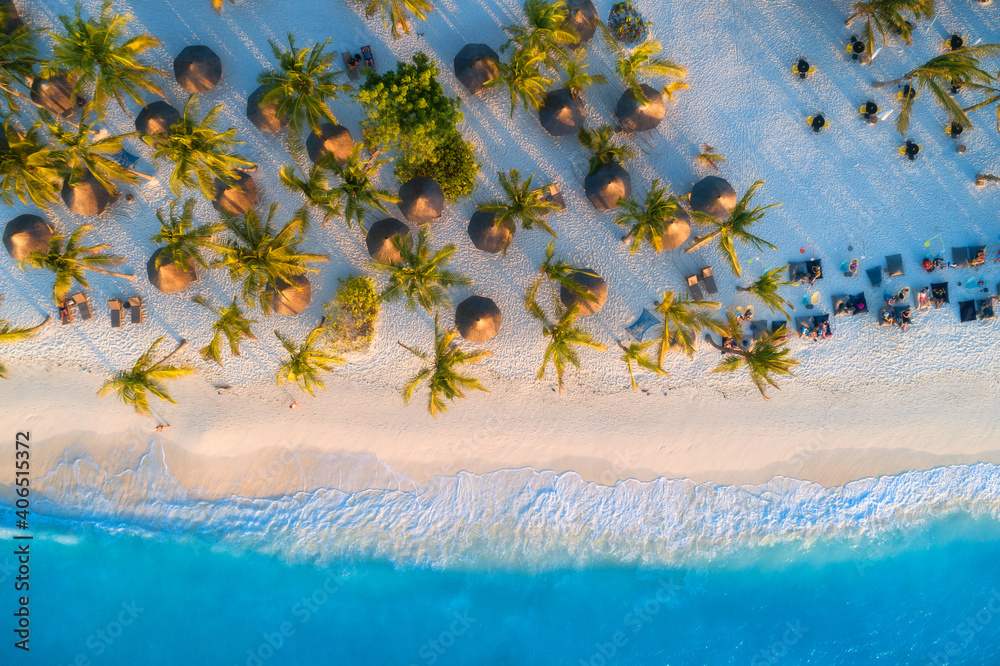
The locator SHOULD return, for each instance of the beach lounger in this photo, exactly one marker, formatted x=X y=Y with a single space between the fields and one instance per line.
x=642 y=324
x=985 y=306
x=136 y=309
x=694 y=289
x=966 y=311
x=778 y=325
x=115 y=306
x=797 y=271
x=366 y=53
x=977 y=255
x=82 y=305
x=66 y=315
x=875 y=276
x=960 y=257
x=814 y=267
x=894 y=265
x=819 y=320
x=939 y=290
x=806 y=321
x=706 y=276
x=353 y=72
x=553 y=194
x=758 y=329
x=840 y=303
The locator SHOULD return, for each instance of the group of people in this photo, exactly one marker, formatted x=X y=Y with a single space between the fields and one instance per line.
x=852 y=306
x=814 y=333
x=890 y=317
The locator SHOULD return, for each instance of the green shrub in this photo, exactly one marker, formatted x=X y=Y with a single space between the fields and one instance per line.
x=454 y=168
x=351 y=315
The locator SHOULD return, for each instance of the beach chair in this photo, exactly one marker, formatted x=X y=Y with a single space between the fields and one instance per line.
x=758 y=330
x=960 y=257
x=939 y=291
x=115 y=307
x=709 y=279
x=886 y=317
x=977 y=255
x=894 y=265
x=66 y=315
x=966 y=311
x=819 y=320
x=814 y=267
x=352 y=68
x=985 y=306
x=875 y=276
x=694 y=289
x=82 y=305
x=552 y=194
x=797 y=271
x=803 y=322
x=366 y=53
x=642 y=324
x=778 y=326
x=841 y=304
x=136 y=310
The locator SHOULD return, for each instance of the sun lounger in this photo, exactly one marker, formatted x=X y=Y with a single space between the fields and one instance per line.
x=366 y=53
x=693 y=288
x=985 y=306
x=65 y=314
x=841 y=304
x=814 y=267
x=642 y=324
x=758 y=329
x=136 y=309
x=115 y=306
x=875 y=276
x=797 y=271
x=82 y=305
x=353 y=72
x=894 y=265
x=553 y=194
x=939 y=291
x=778 y=325
x=960 y=257
x=819 y=320
x=966 y=311
x=706 y=276
x=977 y=255
x=803 y=321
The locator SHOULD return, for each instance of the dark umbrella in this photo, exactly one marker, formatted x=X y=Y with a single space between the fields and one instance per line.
x=54 y=94
x=169 y=277
x=561 y=114
x=265 y=118
x=26 y=234
x=582 y=19
x=593 y=284
x=476 y=64
x=379 y=240
x=156 y=119
x=88 y=196
x=478 y=319
x=237 y=198
x=197 y=69
x=486 y=235
x=292 y=297
x=636 y=116
x=713 y=196
x=421 y=200
x=332 y=139
x=607 y=185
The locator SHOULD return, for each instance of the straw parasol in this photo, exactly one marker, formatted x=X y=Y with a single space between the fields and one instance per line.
x=421 y=200
x=197 y=69
x=156 y=119
x=292 y=297
x=169 y=277
x=379 y=240
x=478 y=319
x=26 y=234
x=583 y=19
x=607 y=185
x=713 y=196
x=561 y=113
x=486 y=235
x=595 y=286
x=10 y=20
x=54 y=94
x=88 y=196
x=332 y=139
x=636 y=116
x=237 y=198
x=476 y=64
x=677 y=231
x=265 y=118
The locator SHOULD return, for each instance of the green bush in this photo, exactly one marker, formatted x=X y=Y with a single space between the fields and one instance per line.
x=454 y=168
x=351 y=315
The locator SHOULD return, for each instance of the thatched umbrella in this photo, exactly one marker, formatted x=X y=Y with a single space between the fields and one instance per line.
x=583 y=19
x=607 y=185
x=265 y=118
x=713 y=196
x=561 y=113
x=636 y=116
x=237 y=198
x=10 y=20
x=488 y=236
x=332 y=139
x=379 y=240
x=26 y=234
x=54 y=94
x=595 y=286
x=169 y=277
x=197 y=69
x=478 y=319
x=88 y=196
x=290 y=298
x=421 y=200
x=156 y=119
x=677 y=231
x=476 y=64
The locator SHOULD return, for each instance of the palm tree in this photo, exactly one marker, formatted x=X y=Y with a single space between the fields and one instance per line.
x=635 y=353
x=766 y=357
x=95 y=53
x=598 y=142
x=443 y=379
x=80 y=152
x=642 y=61
x=523 y=203
x=11 y=334
x=314 y=188
x=217 y=5
x=259 y=258
x=18 y=57
x=70 y=263
x=303 y=85
x=421 y=277
x=766 y=289
x=356 y=189
x=27 y=169
x=396 y=13
x=199 y=152
x=559 y=271
x=578 y=79
x=887 y=17
x=735 y=228
x=563 y=336
x=182 y=241
x=709 y=157
x=682 y=320
x=307 y=361
x=649 y=223
x=144 y=377
x=546 y=33
x=523 y=79
x=230 y=324
x=954 y=68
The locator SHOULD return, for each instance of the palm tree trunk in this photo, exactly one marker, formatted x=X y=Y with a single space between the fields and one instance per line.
x=27 y=99
x=698 y=242
x=170 y=355
x=140 y=175
x=852 y=17
x=112 y=273
x=885 y=84
x=48 y=318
